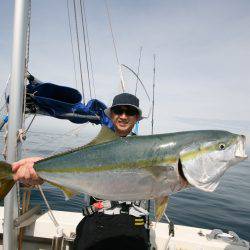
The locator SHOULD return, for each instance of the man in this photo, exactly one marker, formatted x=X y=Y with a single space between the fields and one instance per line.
x=106 y=225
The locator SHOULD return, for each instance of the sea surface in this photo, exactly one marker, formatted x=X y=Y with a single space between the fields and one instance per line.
x=228 y=208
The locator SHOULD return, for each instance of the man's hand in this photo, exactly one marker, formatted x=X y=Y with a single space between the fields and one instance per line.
x=24 y=171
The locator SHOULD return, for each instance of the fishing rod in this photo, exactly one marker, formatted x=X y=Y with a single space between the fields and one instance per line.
x=115 y=47
x=138 y=71
x=153 y=100
x=152 y=131
x=143 y=86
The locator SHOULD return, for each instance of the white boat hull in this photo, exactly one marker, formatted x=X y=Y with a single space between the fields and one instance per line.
x=40 y=234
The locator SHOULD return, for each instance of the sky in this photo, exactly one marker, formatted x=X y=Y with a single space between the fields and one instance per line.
x=202 y=53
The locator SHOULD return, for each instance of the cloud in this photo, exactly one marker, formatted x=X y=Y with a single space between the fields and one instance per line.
x=202 y=53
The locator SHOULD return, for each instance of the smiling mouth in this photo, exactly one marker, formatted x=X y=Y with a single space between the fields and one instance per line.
x=123 y=123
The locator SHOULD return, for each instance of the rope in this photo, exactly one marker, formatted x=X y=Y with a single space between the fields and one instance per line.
x=28 y=38
x=79 y=52
x=89 y=50
x=71 y=41
x=21 y=135
x=59 y=229
x=171 y=235
x=27 y=129
x=115 y=49
x=28 y=200
x=27 y=60
x=167 y=243
x=166 y=217
x=85 y=46
x=22 y=132
x=48 y=206
x=25 y=207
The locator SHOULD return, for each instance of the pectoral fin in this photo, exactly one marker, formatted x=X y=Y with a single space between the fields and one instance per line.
x=161 y=172
x=160 y=207
x=67 y=192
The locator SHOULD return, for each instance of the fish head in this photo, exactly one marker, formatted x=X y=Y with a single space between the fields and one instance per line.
x=205 y=160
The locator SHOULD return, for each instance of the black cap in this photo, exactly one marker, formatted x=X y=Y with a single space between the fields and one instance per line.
x=127 y=100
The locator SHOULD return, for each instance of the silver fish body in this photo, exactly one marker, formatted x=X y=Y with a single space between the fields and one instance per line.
x=145 y=167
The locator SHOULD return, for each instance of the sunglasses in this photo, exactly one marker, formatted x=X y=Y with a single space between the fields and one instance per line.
x=128 y=111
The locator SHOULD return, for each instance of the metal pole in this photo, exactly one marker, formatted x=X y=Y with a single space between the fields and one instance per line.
x=15 y=115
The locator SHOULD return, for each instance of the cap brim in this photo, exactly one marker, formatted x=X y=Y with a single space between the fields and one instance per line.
x=108 y=111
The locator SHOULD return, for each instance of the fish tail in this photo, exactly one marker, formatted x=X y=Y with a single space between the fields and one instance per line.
x=6 y=181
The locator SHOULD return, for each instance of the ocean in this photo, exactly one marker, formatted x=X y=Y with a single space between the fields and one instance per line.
x=227 y=208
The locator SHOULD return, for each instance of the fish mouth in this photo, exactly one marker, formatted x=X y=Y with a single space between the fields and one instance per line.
x=240 y=152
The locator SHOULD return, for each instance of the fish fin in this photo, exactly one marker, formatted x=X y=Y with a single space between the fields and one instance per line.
x=160 y=171
x=5 y=186
x=160 y=207
x=68 y=193
x=105 y=135
x=6 y=183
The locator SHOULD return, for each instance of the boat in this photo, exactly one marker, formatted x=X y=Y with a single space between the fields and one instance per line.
x=42 y=234
x=56 y=229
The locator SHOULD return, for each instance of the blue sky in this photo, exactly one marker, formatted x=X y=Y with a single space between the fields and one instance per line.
x=202 y=56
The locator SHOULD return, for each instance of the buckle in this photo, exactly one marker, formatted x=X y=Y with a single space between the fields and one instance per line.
x=125 y=208
x=88 y=210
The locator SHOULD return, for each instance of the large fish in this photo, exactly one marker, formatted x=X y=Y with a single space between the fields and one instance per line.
x=140 y=167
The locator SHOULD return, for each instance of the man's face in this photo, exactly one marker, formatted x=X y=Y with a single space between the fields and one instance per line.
x=124 y=119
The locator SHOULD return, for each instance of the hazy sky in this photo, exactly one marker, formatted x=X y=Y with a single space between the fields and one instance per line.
x=202 y=56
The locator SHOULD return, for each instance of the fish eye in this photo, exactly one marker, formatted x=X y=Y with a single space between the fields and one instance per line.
x=222 y=146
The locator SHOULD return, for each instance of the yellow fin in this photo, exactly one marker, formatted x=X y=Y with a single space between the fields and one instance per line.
x=67 y=192
x=5 y=186
x=105 y=135
x=6 y=181
x=160 y=207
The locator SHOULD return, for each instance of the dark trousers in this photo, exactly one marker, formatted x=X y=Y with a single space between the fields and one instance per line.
x=111 y=232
